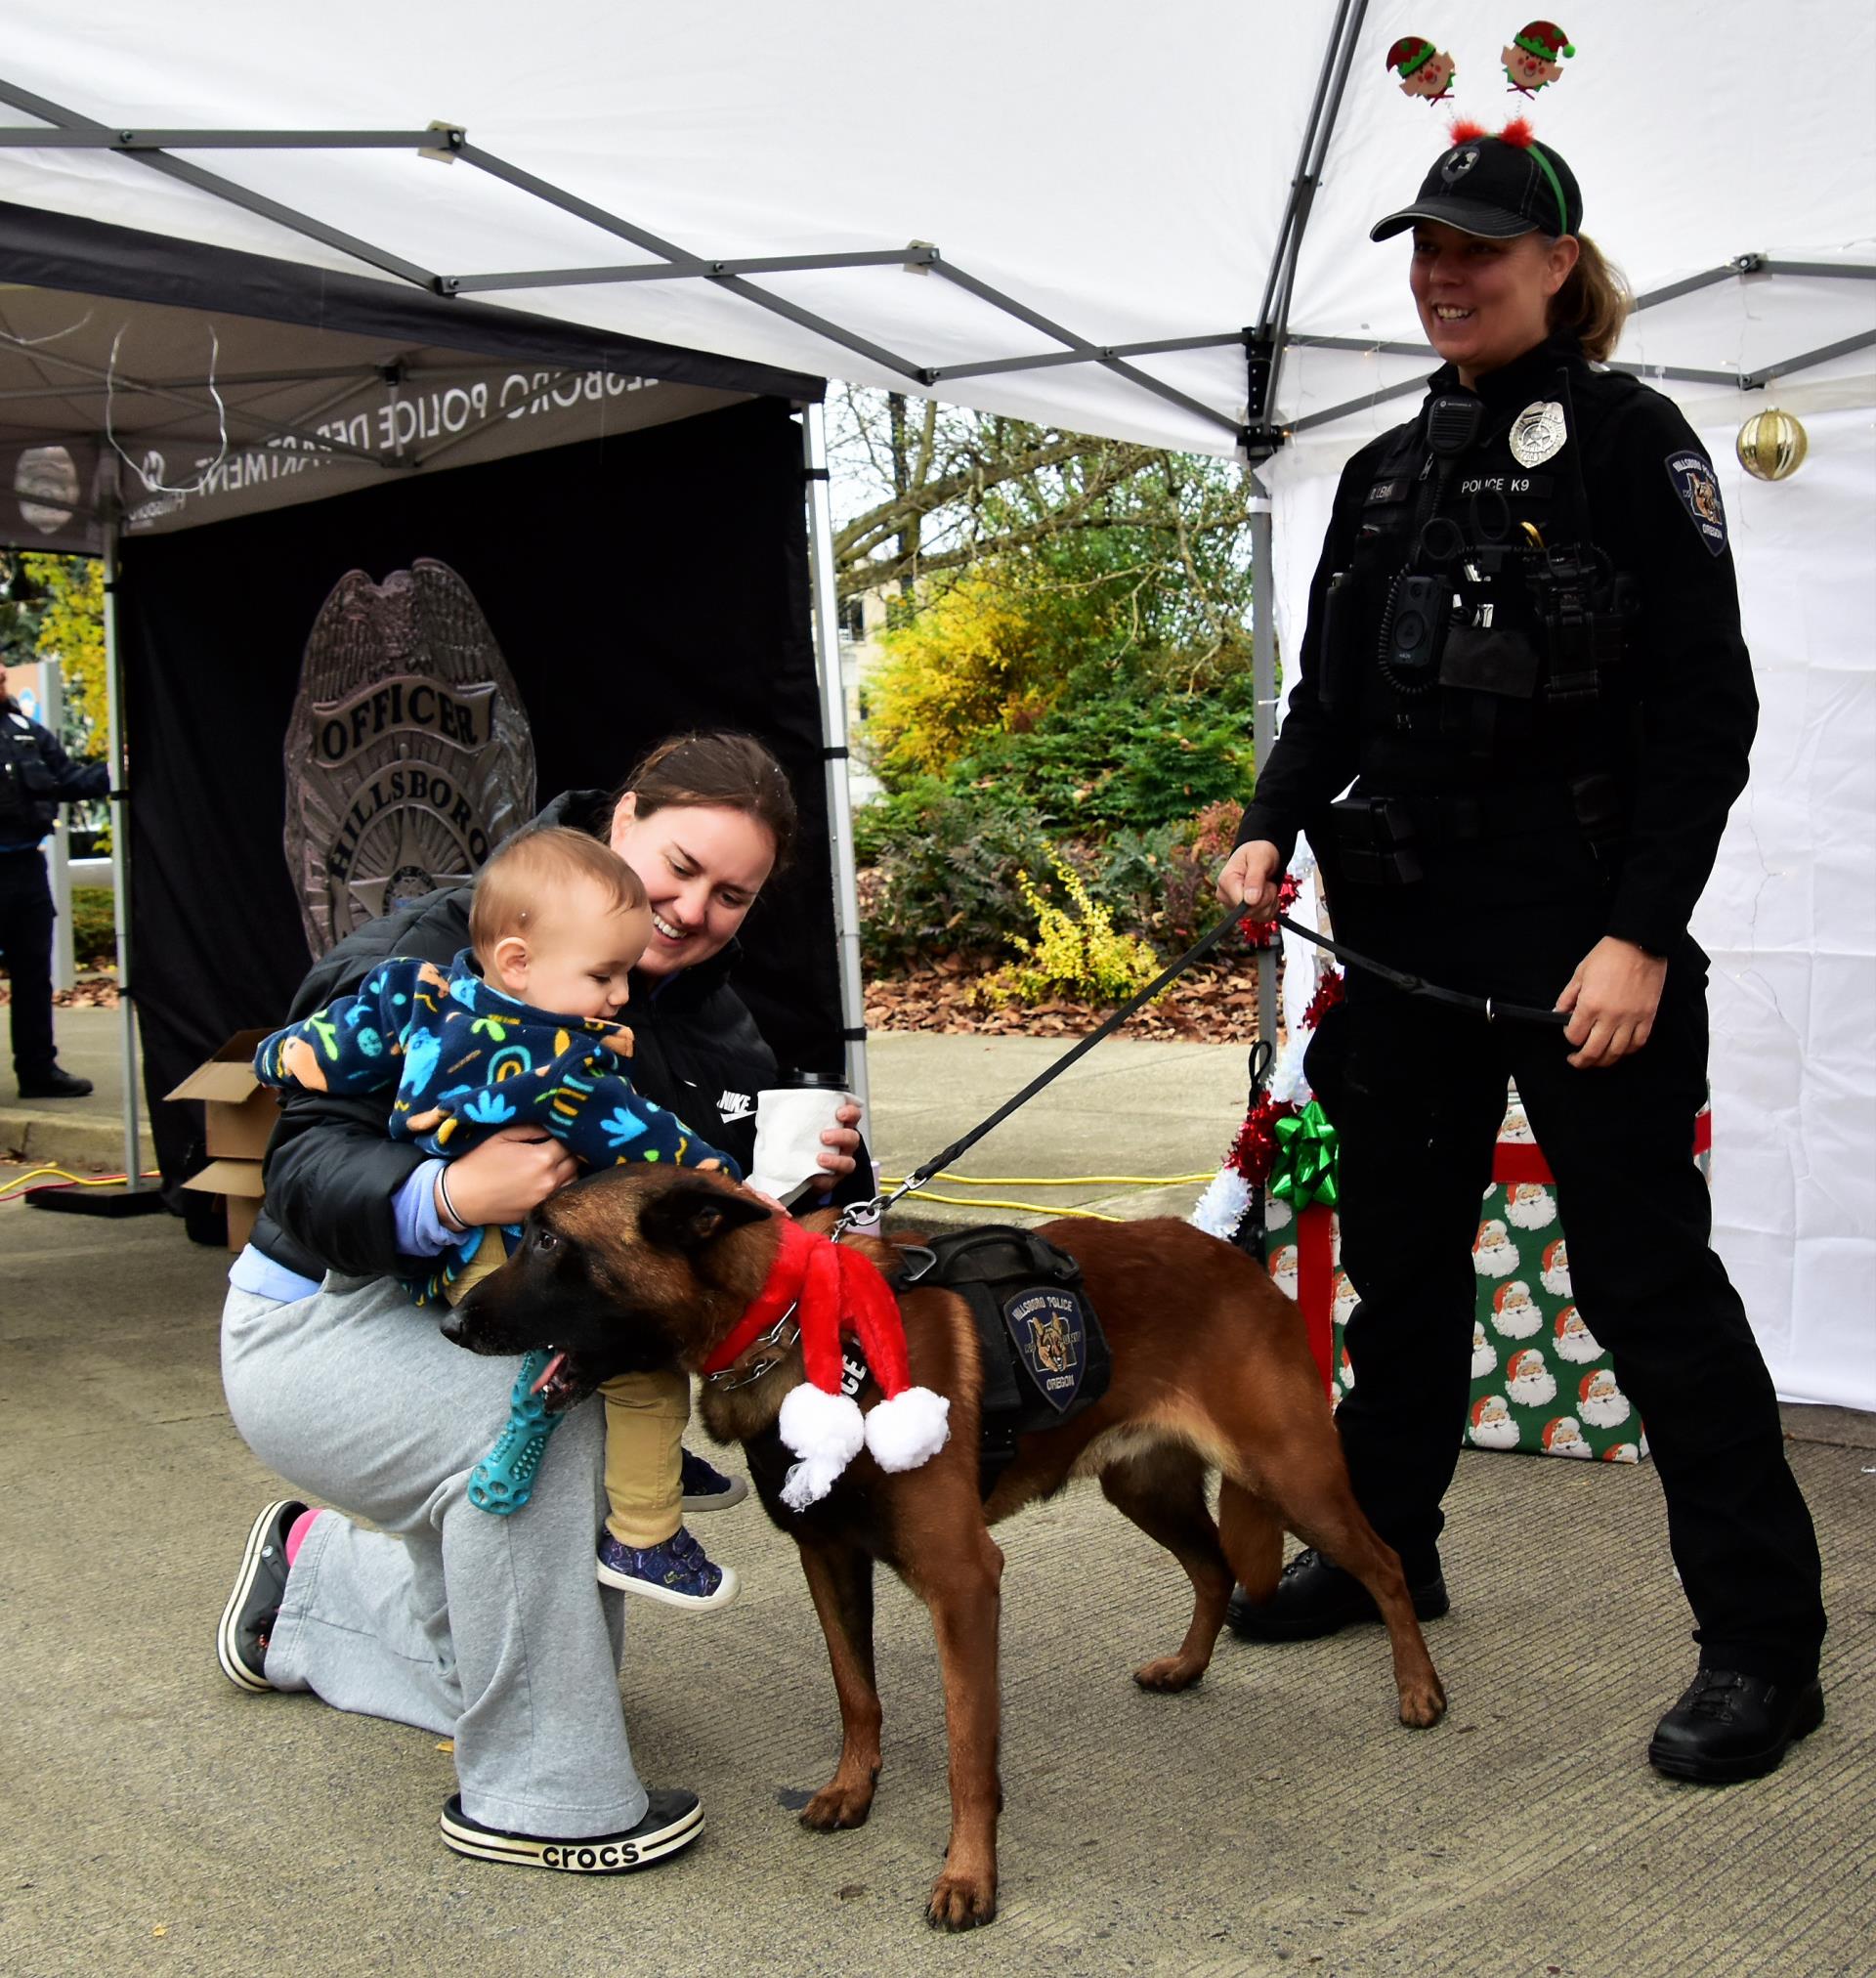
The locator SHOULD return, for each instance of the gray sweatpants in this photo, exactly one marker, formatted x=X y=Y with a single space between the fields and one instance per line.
x=490 y=1630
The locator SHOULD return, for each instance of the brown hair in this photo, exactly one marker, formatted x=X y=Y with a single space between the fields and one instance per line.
x=722 y=770
x=529 y=867
x=1594 y=302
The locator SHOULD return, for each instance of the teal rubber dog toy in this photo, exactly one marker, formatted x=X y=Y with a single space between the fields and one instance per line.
x=505 y=1479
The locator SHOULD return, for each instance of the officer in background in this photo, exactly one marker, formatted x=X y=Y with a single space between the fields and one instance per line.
x=36 y=776
x=1523 y=649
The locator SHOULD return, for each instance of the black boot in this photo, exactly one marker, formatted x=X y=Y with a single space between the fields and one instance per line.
x=1317 y=1597
x=1730 y=1726
x=52 y=1083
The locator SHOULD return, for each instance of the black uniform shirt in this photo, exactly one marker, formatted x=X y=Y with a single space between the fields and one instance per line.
x=36 y=776
x=1653 y=507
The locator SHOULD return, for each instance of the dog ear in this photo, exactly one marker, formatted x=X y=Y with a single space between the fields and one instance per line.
x=693 y=1216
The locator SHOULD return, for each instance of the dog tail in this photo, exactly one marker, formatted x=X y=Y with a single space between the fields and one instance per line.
x=1250 y=1531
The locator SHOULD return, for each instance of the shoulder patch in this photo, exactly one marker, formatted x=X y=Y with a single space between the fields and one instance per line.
x=1699 y=495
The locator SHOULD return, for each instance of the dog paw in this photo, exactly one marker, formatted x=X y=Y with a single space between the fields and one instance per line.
x=1169 y=1673
x=1422 y=1705
x=837 y=1806
x=962 y=1901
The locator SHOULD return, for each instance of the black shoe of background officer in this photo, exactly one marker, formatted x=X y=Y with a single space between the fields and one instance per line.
x=1730 y=1726
x=55 y=1083
x=1317 y=1597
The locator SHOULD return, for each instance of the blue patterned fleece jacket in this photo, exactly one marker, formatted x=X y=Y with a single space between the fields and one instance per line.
x=468 y=1060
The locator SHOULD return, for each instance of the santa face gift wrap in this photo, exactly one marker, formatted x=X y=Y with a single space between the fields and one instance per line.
x=1542 y=1382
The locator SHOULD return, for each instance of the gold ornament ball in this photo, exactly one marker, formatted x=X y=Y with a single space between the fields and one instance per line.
x=1772 y=446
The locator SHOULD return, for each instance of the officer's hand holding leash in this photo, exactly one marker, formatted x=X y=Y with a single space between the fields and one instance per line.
x=1251 y=877
x=1611 y=999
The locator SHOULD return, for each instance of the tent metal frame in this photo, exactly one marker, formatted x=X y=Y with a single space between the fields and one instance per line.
x=1259 y=433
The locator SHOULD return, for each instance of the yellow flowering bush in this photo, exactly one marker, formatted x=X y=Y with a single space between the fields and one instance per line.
x=1075 y=952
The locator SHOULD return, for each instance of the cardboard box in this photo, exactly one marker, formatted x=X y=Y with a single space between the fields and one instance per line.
x=238 y=1113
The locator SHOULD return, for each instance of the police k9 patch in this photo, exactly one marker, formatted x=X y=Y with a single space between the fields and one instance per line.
x=1047 y=1328
x=1700 y=491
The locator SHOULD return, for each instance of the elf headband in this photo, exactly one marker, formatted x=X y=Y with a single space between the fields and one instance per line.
x=1494 y=187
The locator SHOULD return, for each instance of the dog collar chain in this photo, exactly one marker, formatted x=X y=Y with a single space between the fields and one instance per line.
x=767 y=1366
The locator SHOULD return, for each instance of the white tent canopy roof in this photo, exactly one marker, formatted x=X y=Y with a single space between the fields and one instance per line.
x=1122 y=179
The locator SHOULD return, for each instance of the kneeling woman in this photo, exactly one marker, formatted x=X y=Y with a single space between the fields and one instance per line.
x=488 y=1630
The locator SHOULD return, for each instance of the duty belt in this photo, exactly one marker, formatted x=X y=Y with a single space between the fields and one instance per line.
x=1377 y=838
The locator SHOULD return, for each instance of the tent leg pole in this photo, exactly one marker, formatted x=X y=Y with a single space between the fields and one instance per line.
x=834 y=737
x=120 y=858
x=1263 y=687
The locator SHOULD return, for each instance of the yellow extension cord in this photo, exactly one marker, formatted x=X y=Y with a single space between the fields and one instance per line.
x=1036 y=1182
x=77 y=1180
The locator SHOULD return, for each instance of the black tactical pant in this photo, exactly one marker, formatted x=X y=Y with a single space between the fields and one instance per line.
x=1419 y=1092
x=25 y=944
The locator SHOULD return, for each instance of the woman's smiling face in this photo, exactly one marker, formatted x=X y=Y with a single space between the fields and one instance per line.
x=1484 y=303
x=703 y=865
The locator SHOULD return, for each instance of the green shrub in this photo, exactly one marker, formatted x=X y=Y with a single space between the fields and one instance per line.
x=1121 y=753
x=94 y=928
x=943 y=873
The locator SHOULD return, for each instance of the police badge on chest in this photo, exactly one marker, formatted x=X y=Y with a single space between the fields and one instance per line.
x=1538 y=433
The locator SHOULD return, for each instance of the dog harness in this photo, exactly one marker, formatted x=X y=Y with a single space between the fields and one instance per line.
x=1043 y=1354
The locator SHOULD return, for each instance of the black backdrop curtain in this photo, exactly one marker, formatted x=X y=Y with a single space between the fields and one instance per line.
x=636 y=586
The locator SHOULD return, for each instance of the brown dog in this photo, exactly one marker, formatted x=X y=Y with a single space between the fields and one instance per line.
x=643 y=1267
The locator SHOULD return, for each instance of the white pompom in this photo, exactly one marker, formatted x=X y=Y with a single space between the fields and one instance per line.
x=822 y=1427
x=908 y=1430
x=810 y=1481
x=1223 y=1205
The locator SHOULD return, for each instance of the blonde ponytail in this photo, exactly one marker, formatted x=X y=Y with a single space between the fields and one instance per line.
x=1594 y=302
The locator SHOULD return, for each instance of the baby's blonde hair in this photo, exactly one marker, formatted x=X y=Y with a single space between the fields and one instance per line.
x=521 y=879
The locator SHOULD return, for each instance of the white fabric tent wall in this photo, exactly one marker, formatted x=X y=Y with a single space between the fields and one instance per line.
x=1789 y=917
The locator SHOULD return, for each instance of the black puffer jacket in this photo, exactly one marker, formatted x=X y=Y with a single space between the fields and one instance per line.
x=331 y=1169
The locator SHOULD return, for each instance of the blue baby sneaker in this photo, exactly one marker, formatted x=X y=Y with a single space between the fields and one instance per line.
x=707 y=1489
x=676 y=1573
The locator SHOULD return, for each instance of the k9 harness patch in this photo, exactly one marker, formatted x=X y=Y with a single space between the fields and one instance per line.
x=1043 y=1352
x=1047 y=1328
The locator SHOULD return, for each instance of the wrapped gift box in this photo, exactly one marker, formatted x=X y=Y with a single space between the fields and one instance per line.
x=1541 y=1381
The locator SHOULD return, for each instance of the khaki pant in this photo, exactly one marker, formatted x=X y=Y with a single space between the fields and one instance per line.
x=645 y=1418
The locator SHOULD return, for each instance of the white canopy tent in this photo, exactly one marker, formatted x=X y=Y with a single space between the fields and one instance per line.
x=1099 y=209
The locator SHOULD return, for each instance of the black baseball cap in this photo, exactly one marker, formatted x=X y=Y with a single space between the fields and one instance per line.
x=1497 y=189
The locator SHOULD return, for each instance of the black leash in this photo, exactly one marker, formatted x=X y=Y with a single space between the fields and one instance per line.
x=1413 y=985
x=1487 y=1007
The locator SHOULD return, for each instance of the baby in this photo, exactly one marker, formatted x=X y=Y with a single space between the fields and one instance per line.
x=521 y=1031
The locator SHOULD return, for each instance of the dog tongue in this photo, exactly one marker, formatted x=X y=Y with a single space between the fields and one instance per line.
x=549 y=1372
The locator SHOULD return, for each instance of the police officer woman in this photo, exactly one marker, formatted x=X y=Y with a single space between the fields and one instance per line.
x=1523 y=648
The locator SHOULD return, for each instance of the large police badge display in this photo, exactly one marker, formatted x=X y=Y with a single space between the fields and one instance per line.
x=407 y=754
x=1046 y=1329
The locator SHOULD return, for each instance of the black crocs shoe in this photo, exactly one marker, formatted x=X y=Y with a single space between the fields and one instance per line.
x=1317 y=1597
x=241 y=1642
x=1729 y=1726
x=673 y=1819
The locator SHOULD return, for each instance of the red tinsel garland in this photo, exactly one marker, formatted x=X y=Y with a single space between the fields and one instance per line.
x=1329 y=992
x=1260 y=933
x=1255 y=1150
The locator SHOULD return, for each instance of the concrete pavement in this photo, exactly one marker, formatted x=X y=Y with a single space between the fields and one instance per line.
x=1274 y=1821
